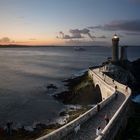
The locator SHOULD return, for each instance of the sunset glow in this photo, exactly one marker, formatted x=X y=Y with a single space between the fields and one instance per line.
x=61 y=22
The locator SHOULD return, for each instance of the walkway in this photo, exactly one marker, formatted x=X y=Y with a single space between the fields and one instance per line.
x=88 y=129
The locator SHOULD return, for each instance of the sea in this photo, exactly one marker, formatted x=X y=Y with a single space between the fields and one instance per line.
x=26 y=72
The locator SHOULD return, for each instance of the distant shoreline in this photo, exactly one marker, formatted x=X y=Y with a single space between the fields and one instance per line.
x=35 y=46
x=26 y=46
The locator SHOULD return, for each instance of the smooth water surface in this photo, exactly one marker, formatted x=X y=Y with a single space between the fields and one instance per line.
x=25 y=73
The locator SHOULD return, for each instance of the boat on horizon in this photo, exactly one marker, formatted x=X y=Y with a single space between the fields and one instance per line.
x=79 y=49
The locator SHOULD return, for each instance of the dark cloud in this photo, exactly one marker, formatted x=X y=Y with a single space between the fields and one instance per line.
x=76 y=34
x=103 y=37
x=95 y=27
x=133 y=33
x=6 y=40
x=63 y=36
x=121 y=25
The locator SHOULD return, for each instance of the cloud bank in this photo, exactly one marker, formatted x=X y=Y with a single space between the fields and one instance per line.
x=82 y=37
x=121 y=25
x=76 y=34
x=6 y=40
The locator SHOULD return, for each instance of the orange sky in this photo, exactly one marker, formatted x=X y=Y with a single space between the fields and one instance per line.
x=88 y=22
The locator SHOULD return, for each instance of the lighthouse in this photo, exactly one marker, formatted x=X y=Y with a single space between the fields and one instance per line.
x=115 y=48
x=123 y=54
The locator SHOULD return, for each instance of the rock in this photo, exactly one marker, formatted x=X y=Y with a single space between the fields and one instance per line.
x=63 y=113
x=51 y=86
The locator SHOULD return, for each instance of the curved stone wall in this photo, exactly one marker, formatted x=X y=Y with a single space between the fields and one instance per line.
x=68 y=128
x=108 y=93
x=120 y=117
x=106 y=89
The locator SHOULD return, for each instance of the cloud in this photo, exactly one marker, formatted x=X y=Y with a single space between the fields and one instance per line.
x=6 y=40
x=64 y=36
x=120 y=25
x=76 y=34
x=103 y=37
x=133 y=33
x=96 y=27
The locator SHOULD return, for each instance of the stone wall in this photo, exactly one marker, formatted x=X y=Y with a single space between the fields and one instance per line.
x=68 y=128
x=106 y=89
x=119 y=120
x=110 y=131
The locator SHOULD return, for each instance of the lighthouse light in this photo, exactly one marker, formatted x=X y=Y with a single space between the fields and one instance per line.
x=115 y=36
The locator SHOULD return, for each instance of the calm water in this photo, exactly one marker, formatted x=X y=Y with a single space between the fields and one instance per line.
x=25 y=73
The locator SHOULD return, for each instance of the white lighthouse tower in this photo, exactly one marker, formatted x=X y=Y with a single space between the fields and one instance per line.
x=115 y=48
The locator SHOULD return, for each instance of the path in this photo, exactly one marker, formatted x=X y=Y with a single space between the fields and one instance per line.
x=88 y=129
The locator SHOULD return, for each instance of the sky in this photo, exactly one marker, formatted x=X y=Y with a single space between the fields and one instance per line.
x=69 y=22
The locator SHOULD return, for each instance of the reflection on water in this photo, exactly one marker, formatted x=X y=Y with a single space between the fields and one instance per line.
x=25 y=73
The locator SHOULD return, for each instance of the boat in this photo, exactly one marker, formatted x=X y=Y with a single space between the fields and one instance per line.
x=79 y=49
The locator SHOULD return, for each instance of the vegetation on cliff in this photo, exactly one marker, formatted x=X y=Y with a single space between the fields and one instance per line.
x=81 y=91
